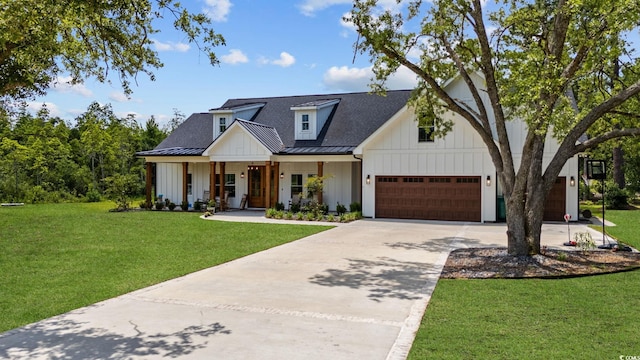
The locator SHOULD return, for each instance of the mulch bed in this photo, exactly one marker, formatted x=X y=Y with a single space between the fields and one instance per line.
x=485 y=263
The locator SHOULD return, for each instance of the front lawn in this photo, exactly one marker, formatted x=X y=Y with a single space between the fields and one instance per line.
x=59 y=257
x=593 y=317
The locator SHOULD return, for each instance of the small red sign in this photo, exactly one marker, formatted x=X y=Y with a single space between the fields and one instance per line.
x=567 y=217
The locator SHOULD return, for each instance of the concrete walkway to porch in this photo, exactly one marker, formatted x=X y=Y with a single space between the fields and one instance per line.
x=357 y=291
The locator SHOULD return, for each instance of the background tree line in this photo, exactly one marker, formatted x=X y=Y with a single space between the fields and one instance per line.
x=45 y=159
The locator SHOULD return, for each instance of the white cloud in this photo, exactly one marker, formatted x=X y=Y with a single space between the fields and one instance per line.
x=64 y=84
x=118 y=96
x=310 y=7
x=170 y=46
x=124 y=114
x=347 y=79
x=344 y=78
x=235 y=56
x=217 y=10
x=35 y=106
x=285 y=60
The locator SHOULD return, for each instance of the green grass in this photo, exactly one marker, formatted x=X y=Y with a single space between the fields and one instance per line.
x=60 y=257
x=581 y=318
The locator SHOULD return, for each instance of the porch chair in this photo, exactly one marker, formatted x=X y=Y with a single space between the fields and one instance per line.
x=295 y=200
x=223 y=204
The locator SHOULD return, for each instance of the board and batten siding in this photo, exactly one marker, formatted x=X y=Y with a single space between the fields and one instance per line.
x=169 y=181
x=238 y=146
x=337 y=187
x=397 y=152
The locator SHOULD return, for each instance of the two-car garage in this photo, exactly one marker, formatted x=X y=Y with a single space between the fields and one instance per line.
x=453 y=198
x=450 y=198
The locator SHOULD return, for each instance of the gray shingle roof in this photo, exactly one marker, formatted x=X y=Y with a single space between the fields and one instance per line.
x=354 y=118
x=195 y=132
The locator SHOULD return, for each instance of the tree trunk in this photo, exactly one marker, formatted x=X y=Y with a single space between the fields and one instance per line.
x=618 y=167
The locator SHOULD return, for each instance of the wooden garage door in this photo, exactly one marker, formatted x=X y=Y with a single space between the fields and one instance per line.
x=556 y=205
x=453 y=198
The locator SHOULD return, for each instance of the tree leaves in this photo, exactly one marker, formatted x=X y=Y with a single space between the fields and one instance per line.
x=40 y=39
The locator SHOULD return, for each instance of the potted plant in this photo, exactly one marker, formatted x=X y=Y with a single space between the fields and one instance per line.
x=211 y=206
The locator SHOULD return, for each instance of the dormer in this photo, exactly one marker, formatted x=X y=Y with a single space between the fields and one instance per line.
x=310 y=117
x=223 y=117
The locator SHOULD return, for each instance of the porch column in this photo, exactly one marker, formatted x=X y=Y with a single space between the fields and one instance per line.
x=320 y=165
x=276 y=181
x=267 y=203
x=212 y=180
x=185 y=171
x=221 y=185
x=148 y=183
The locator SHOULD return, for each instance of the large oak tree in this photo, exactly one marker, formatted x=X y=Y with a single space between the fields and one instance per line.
x=544 y=61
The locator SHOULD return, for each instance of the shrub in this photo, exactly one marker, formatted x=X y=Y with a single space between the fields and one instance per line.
x=615 y=198
x=93 y=195
x=341 y=209
x=197 y=206
x=184 y=206
x=159 y=205
x=288 y=215
x=299 y=216
x=279 y=206
x=295 y=207
x=270 y=213
x=331 y=218
x=355 y=206
x=171 y=206
x=584 y=241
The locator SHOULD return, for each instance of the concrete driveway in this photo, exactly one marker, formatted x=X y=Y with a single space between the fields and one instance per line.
x=357 y=291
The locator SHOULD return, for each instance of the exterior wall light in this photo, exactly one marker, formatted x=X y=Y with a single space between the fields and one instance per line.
x=281 y=175
x=488 y=180
x=242 y=175
x=368 y=179
x=572 y=181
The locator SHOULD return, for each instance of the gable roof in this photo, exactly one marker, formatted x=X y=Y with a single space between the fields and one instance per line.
x=354 y=118
x=266 y=135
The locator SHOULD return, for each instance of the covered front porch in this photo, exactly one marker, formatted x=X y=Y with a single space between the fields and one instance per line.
x=253 y=184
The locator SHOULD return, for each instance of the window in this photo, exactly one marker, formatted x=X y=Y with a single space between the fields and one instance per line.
x=296 y=184
x=305 y=122
x=230 y=184
x=189 y=186
x=223 y=124
x=425 y=134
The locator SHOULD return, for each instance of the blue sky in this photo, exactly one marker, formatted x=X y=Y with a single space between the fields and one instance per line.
x=274 y=48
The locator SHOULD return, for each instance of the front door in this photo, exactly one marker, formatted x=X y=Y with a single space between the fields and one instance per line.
x=257 y=186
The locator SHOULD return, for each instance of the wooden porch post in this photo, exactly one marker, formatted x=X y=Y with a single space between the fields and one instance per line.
x=276 y=181
x=221 y=186
x=320 y=166
x=212 y=180
x=148 y=183
x=185 y=171
x=267 y=203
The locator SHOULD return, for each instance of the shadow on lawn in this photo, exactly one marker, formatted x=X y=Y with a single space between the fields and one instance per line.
x=387 y=277
x=60 y=338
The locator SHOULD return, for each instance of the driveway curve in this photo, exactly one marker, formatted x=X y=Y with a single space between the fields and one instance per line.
x=357 y=291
